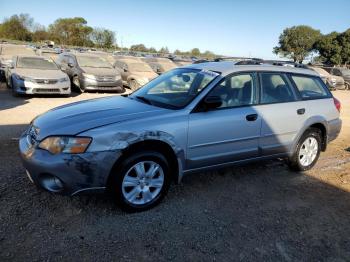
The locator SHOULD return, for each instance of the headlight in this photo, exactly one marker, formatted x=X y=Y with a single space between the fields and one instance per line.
x=65 y=144
x=63 y=79
x=23 y=78
x=89 y=76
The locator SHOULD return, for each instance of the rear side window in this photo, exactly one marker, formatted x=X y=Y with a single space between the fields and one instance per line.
x=275 y=89
x=310 y=87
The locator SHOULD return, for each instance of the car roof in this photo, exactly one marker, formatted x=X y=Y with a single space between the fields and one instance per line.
x=228 y=67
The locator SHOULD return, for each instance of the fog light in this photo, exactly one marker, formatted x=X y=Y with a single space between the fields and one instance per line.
x=51 y=183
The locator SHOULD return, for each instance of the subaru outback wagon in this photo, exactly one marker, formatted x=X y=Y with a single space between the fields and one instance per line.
x=187 y=120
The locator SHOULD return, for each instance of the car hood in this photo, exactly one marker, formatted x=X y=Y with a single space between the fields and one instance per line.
x=78 y=117
x=141 y=75
x=100 y=71
x=39 y=73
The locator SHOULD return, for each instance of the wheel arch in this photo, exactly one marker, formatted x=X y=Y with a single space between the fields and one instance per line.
x=157 y=145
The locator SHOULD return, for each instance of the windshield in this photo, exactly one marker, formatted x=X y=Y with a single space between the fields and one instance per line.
x=92 y=61
x=176 y=88
x=36 y=63
x=345 y=72
x=139 y=67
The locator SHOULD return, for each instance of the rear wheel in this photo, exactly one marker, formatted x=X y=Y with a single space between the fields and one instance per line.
x=308 y=151
x=76 y=83
x=141 y=181
x=347 y=86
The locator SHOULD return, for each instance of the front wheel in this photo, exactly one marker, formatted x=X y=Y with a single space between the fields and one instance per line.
x=307 y=152
x=141 y=181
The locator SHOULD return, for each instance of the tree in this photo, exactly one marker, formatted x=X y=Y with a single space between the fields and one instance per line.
x=195 y=52
x=164 y=50
x=208 y=54
x=71 y=31
x=297 y=42
x=138 y=48
x=344 y=42
x=17 y=27
x=329 y=49
x=103 y=37
x=40 y=35
x=152 y=50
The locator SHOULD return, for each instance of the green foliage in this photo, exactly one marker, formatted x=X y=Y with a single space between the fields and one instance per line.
x=329 y=48
x=71 y=31
x=195 y=52
x=74 y=32
x=16 y=27
x=139 y=48
x=103 y=38
x=297 y=42
x=164 y=50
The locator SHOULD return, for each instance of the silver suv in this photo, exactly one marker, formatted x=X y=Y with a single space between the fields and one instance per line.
x=187 y=120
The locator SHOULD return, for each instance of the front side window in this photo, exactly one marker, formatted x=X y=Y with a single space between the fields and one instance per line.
x=237 y=90
x=310 y=87
x=176 y=88
x=275 y=89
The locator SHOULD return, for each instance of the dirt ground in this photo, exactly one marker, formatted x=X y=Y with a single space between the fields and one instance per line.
x=255 y=212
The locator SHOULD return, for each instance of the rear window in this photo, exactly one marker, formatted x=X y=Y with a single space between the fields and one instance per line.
x=310 y=87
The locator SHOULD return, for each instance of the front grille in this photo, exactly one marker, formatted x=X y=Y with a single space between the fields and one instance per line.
x=46 y=81
x=105 y=78
x=46 y=90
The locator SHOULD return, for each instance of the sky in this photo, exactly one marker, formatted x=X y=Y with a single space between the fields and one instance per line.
x=235 y=28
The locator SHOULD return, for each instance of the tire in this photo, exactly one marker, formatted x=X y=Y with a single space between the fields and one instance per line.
x=133 y=85
x=76 y=84
x=307 y=151
x=347 y=86
x=131 y=190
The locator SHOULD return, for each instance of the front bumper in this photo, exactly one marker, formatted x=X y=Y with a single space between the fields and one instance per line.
x=67 y=174
x=91 y=84
x=31 y=88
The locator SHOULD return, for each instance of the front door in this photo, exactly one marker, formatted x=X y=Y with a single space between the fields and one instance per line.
x=228 y=133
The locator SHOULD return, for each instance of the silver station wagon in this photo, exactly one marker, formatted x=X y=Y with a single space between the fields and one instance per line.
x=189 y=119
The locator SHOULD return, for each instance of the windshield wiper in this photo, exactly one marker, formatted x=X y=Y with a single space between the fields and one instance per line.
x=147 y=101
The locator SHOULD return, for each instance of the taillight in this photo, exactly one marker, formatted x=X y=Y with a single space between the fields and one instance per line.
x=337 y=104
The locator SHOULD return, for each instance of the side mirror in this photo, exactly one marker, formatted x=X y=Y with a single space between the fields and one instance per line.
x=212 y=102
x=159 y=71
x=70 y=65
x=125 y=69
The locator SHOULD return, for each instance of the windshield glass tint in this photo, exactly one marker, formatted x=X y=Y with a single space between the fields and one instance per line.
x=91 y=61
x=36 y=63
x=140 y=67
x=177 y=88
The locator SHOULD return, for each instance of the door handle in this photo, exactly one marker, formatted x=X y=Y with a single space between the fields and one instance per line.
x=301 y=111
x=252 y=117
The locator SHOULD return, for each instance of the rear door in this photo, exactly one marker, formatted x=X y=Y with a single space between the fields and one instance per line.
x=283 y=113
x=230 y=132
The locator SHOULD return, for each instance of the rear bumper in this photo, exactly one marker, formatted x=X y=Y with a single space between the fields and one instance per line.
x=334 y=128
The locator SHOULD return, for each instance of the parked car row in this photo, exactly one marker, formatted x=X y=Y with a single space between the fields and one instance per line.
x=28 y=71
